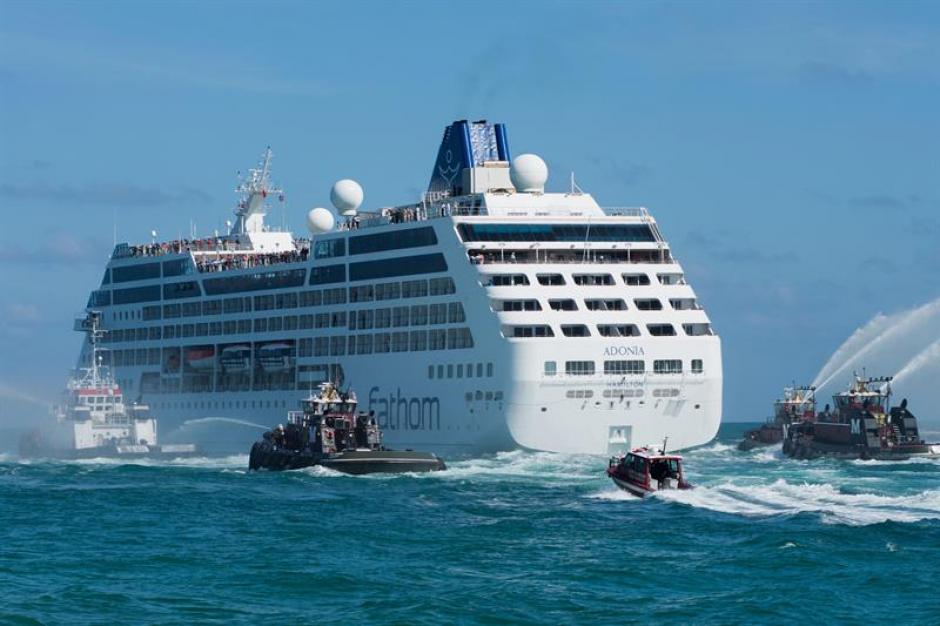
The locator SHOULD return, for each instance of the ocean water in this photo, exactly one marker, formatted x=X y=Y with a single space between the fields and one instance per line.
x=518 y=537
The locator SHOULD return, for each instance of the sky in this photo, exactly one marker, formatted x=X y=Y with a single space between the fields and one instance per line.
x=789 y=151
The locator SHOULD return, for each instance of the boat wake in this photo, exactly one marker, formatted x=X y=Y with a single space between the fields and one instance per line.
x=519 y=465
x=783 y=498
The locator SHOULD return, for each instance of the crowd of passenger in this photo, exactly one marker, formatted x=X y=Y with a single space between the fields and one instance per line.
x=209 y=244
x=253 y=259
x=220 y=262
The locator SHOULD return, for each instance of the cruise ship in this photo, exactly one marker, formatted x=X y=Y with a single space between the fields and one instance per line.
x=490 y=315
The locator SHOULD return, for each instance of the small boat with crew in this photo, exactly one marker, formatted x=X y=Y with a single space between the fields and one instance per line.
x=797 y=404
x=329 y=431
x=860 y=426
x=96 y=420
x=645 y=470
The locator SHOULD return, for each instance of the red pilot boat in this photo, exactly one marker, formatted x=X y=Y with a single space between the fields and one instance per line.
x=645 y=470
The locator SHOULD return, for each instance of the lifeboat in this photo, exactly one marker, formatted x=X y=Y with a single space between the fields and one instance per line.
x=235 y=359
x=275 y=357
x=201 y=358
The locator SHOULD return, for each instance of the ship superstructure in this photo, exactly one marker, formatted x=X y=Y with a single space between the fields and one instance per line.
x=491 y=314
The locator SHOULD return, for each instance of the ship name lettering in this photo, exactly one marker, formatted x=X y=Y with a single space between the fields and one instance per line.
x=624 y=351
x=397 y=412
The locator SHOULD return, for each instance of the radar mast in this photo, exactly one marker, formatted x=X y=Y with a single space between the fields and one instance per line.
x=255 y=189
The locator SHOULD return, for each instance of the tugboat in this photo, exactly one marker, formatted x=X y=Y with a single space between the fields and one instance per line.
x=859 y=427
x=646 y=470
x=95 y=420
x=798 y=404
x=328 y=431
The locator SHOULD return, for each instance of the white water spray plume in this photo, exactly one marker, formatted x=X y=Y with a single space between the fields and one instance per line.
x=905 y=345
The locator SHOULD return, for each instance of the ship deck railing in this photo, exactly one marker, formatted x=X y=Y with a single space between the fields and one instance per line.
x=577 y=257
x=227 y=260
x=471 y=208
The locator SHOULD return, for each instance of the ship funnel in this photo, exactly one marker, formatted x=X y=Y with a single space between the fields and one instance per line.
x=466 y=145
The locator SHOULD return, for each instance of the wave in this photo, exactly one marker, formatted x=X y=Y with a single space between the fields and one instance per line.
x=521 y=464
x=782 y=498
x=618 y=495
x=911 y=461
x=235 y=461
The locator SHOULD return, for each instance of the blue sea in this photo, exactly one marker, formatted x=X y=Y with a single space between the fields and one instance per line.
x=517 y=537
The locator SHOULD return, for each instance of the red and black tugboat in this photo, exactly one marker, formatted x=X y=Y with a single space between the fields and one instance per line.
x=798 y=404
x=646 y=470
x=860 y=426
x=329 y=431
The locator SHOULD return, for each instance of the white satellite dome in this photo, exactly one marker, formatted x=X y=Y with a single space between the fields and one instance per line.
x=319 y=220
x=528 y=173
x=346 y=196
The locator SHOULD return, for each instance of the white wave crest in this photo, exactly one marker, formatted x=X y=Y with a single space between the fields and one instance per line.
x=235 y=461
x=833 y=506
x=618 y=495
x=545 y=467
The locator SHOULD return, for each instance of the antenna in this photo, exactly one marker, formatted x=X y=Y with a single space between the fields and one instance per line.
x=575 y=190
x=587 y=237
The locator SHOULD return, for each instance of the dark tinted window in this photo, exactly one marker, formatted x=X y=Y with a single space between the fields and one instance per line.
x=402 y=266
x=135 y=272
x=555 y=232
x=648 y=304
x=137 y=294
x=551 y=279
x=99 y=298
x=575 y=330
x=636 y=279
x=508 y=280
x=623 y=367
x=254 y=282
x=411 y=238
x=329 y=248
x=188 y=289
x=178 y=267
x=106 y=279
x=326 y=274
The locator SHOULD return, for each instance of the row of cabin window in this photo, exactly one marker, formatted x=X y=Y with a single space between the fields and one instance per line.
x=623 y=367
x=608 y=330
x=339 y=345
x=400 y=341
x=291 y=300
x=416 y=315
x=307 y=377
x=223 y=404
x=554 y=280
x=380 y=242
x=456 y=370
x=614 y=304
